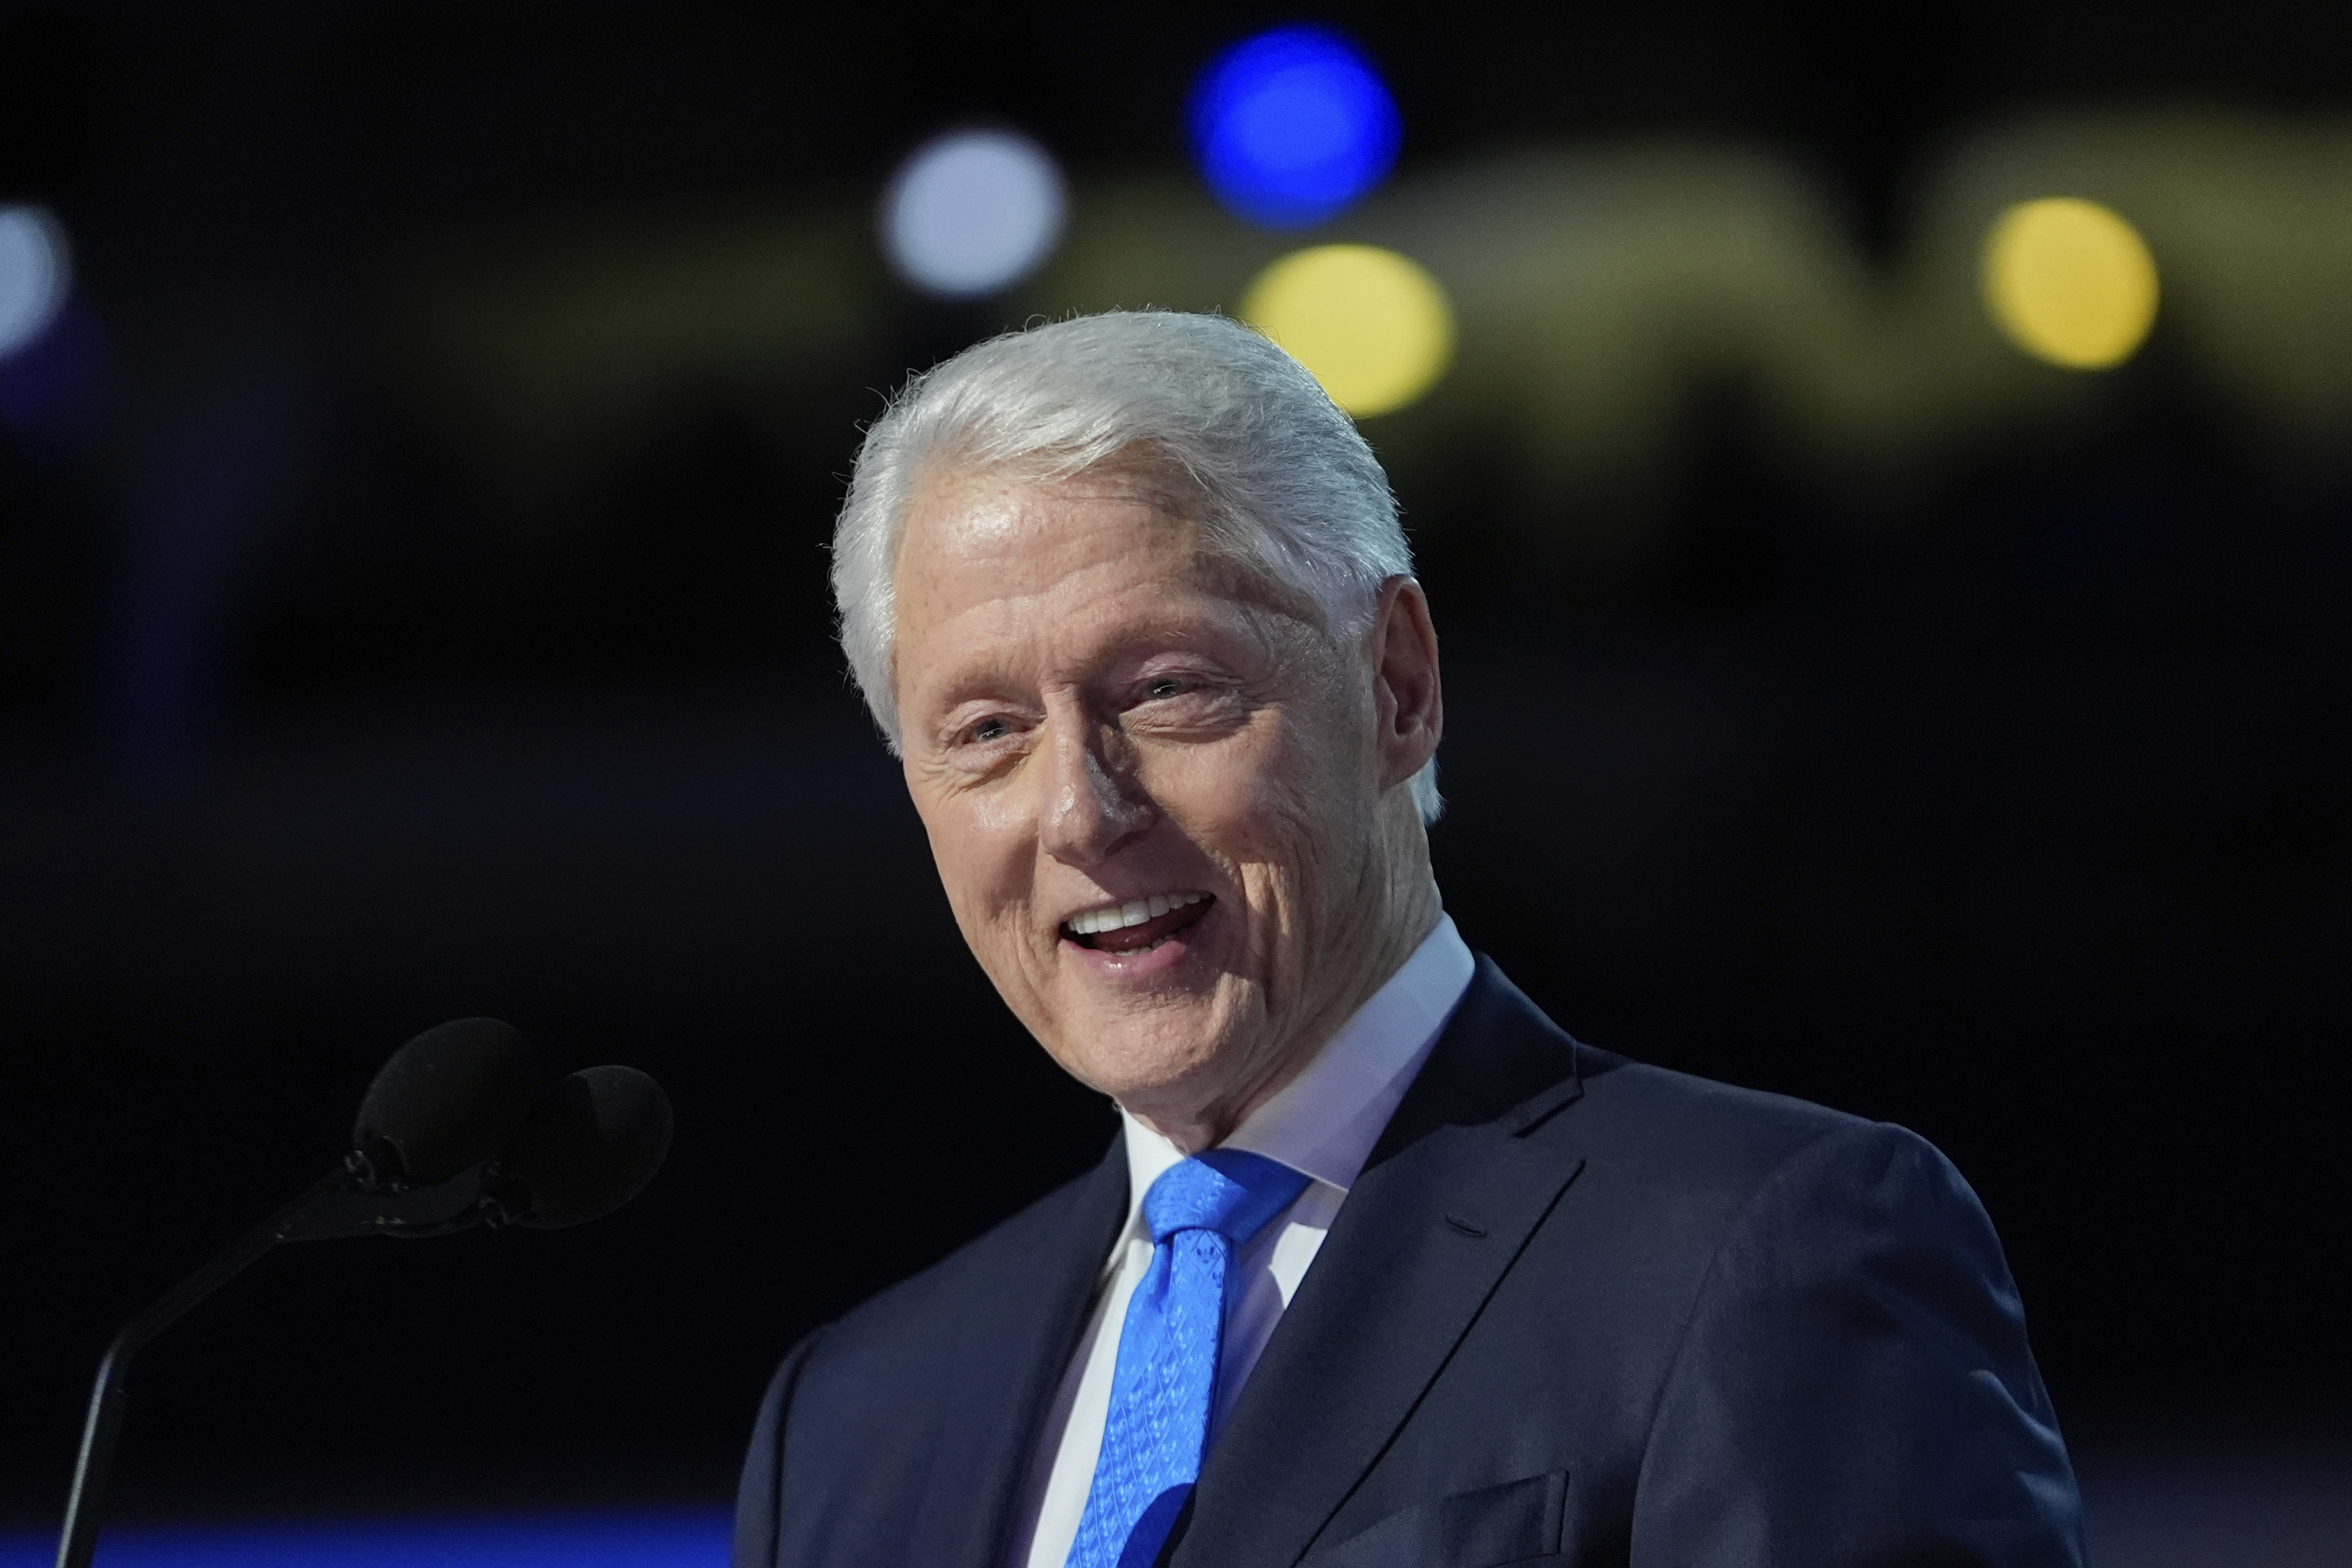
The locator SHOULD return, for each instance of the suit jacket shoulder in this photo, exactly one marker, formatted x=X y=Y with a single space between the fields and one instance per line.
x=928 y=1316
x=1575 y=1310
x=1579 y=1309
x=901 y=1432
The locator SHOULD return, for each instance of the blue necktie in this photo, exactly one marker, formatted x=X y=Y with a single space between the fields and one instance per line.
x=1200 y=1212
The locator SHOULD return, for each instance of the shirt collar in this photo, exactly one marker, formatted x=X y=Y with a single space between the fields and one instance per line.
x=1324 y=1123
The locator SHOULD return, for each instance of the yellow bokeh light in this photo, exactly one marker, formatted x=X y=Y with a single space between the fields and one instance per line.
x=1374 y=328
x=2070 y=282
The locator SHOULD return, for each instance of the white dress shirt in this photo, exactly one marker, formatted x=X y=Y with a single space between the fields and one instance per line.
x=1323 y=1123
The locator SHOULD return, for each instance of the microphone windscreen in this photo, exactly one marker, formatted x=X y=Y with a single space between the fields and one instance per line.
x=590 y=1144
x=448 y=1100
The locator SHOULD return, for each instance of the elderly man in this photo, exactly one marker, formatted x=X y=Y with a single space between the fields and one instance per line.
x=1383 y=1270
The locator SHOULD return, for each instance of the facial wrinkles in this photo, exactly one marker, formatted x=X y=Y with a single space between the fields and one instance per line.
x=1037 y=655
x=1316 y=917
x=991 y=512
x=1092 y=809
x=1297 y=912
x=1060 y=576
x=1302 y=915
x=1032 y=598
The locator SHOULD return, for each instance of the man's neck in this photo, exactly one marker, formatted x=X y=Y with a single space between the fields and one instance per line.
x=1212 y=1124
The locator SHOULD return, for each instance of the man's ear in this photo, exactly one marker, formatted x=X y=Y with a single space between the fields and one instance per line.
x=1408 y=701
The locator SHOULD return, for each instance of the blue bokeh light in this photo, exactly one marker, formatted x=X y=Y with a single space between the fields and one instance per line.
x=1293 y=125
x=646 y=1537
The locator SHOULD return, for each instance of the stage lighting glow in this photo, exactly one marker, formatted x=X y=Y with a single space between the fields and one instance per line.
x=1293 y=125
x=2071 y=282
x=1374 y=328
x=973 y=212
x=617 y=1538
x=33 y=273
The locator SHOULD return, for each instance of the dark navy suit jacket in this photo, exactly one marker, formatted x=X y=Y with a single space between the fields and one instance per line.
x=1575 y=1311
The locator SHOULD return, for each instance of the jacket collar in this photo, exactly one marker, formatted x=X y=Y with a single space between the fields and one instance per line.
x=1449 y=1196
x=1018 y=1333
x=1325 y=1122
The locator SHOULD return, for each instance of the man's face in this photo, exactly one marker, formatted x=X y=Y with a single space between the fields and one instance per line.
x=1152 y=783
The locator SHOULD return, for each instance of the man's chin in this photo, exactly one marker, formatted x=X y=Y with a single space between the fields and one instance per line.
x=1161 y=1073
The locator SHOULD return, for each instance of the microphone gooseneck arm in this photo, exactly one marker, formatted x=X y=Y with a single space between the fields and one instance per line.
x=457 y=1128
x=349 y=1200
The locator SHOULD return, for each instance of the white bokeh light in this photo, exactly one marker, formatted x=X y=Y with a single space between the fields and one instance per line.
x=33 y=273
x=973 y=212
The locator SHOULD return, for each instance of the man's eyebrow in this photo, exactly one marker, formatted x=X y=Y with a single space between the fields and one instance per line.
x=1196 y=629
x=994 y=680
x=1195 y=635
x=988 y=679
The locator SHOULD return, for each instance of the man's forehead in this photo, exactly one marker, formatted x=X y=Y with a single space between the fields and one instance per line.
x=960 y=509
x=979 y=543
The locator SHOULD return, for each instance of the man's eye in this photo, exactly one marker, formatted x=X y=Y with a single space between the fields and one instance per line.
x=1160 y=690
x=990 y=729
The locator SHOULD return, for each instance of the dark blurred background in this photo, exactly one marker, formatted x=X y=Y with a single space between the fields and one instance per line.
x=412 y=604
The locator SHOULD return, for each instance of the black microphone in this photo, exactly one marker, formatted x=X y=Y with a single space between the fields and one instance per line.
x=456 y=1131
x=451 y=1098
x=591 y=1143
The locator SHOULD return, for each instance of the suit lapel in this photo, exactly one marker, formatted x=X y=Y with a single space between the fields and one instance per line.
x=1015 y=1339
x=1450 y=1195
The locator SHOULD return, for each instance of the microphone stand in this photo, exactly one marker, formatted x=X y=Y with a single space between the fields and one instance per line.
x=349 y=1200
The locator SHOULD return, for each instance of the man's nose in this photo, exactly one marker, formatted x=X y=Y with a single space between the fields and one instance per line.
x=1093 y=802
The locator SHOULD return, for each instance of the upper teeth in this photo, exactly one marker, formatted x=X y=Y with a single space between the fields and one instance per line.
x=1120 y=915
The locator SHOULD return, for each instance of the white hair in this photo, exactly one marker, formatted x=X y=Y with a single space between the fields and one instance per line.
x=1288 y=484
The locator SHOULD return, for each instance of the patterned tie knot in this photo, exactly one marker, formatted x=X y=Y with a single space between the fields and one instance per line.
x=1229 y=1191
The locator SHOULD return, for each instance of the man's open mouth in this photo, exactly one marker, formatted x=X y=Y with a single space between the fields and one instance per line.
x=1137 y=925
